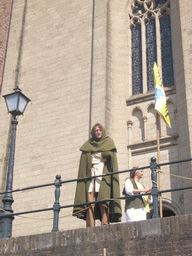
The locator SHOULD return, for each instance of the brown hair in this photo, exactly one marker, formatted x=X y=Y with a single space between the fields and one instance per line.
x=133 y=171
x=99 y=125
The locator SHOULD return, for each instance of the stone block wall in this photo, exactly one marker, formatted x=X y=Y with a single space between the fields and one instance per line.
x=183 y=64
x=5 y=17
x=73 y=60
x=50 y=56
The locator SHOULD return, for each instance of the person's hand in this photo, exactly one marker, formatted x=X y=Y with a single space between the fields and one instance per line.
x=147 y=189
x=104 y=159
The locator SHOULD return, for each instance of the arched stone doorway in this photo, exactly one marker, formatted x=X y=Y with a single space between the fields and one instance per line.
x=170 y=208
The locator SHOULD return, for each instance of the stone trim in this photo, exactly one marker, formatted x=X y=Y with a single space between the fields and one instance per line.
x=149 y=96
x=152 y=144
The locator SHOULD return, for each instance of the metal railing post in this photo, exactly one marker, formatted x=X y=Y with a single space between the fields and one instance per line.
x=154 y=191
x=56 y=206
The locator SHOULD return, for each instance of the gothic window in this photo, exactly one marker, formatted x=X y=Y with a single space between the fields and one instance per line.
x=151 y=42
x=151 y=123
x=151 y=52
x=166 y=49
x=138 y=125
x=137 y=60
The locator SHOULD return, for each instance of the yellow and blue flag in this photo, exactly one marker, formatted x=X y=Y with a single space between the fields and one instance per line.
x=160 y=98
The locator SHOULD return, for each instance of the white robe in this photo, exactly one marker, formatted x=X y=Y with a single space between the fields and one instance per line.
x=97 y=169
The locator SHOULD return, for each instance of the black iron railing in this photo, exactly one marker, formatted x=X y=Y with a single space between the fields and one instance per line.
x=58 y=183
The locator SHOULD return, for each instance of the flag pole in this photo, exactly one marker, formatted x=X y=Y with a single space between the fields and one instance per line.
x=161 y=109
x=158 y=161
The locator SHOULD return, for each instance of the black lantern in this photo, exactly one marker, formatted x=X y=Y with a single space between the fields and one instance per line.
x=16 y=102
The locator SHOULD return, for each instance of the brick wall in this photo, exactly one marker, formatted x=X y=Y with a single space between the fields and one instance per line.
x=56 y=48
x=50 y=57
x=184 y=104
x=167 y=236
x=5 y=13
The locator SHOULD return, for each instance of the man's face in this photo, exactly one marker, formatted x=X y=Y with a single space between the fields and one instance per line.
x=98 y=132
x=140 y=173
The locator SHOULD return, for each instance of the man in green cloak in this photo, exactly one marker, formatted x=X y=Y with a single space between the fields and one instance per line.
x=98 y=157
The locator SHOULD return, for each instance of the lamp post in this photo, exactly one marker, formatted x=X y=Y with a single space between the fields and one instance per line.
x=16 y=105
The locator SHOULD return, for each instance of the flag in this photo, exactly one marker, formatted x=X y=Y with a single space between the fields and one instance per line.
x=160 y=98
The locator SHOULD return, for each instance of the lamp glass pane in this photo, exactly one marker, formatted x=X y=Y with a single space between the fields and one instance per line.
x=12 y=102
x=22 y=103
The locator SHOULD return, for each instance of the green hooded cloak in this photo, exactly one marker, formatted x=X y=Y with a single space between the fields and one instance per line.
x=109 y=187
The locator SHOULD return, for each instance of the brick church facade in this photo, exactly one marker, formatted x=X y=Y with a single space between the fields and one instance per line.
x=82 y=62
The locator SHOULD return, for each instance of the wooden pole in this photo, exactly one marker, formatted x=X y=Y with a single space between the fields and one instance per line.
x=158 y=161
x=104 y=252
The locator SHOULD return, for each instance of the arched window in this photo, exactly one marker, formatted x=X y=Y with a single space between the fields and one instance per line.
x=151 y=52
x=151 y=42
x=137 y=60
x=166 y=50
x=138 y=125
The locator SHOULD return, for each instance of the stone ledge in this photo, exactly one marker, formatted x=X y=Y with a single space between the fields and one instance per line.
x=152 y=144
x=88 y=240
x=136 y=99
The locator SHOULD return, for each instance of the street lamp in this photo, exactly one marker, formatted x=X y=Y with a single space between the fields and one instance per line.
x=16 y=104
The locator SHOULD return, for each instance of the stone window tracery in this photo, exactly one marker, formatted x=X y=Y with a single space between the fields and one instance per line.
x=151 y=42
